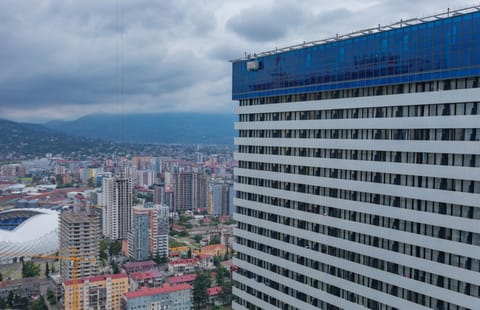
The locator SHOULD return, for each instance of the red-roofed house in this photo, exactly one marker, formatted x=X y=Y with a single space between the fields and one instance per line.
x=140 y=266
x=214 y=296
x=188 y=278
x=165 y=297
x=185 y=265
x=151 y=278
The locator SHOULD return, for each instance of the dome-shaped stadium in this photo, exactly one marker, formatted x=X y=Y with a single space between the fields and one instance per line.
x=27 y=232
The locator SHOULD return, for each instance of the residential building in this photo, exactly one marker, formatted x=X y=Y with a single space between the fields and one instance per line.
x=358 y=179
x=145 y=178
x=149 y=234
x=148 y=265
x=222 y=198
x=139 y=235
x=117 y=198
x=146 y=279
x=78 y=238
x=188 y=278
x=99 y=292
x=214 y=250
x=200 y=191
x=178 y=297
x=191 y=191
x=183 y=184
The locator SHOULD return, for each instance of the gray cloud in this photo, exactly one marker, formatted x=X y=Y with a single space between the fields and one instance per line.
x=260 y=23
x=60 y=59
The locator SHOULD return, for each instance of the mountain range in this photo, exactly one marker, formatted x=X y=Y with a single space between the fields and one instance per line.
x=23 y=140
x=165 y=128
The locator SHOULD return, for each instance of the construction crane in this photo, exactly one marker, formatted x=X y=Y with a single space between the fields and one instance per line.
x=75 y=260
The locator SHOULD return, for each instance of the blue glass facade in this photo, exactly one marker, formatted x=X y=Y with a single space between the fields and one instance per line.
x=441 y=49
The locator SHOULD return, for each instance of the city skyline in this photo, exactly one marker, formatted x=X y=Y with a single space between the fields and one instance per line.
x=63 y=61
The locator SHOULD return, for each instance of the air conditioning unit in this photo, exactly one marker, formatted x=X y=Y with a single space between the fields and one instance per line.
x=253 y=65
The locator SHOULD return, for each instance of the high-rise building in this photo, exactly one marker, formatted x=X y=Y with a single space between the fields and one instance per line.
x=159 y=193
x=358 y=182
x=117 y=199
x=145 y=178
x=182 y=183
x=79 y=233
x=222 y=198
x=200 y=191
x=191 y=191
x=149 y=234
x=139 y=235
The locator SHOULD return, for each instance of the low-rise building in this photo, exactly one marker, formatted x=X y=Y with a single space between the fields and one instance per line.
x=178 y=297
x=188 y=279
x=146 y=279
x=214 y=250
x=181 y=266
x=147 y=265
x=99 y=292
x=214 y=295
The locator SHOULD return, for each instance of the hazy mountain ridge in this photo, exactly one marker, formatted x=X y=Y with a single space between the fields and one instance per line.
x=37 y=140
x=179 y=128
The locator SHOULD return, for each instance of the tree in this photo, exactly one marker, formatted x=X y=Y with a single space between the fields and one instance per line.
x=216 y=261
x=115 y=268
x=47 y=269
x=197 y=238
x=200 y=286
x=1 y=276
x=226 y=294
x=103 y=247
x=222 y=273
x=91 y=182
x=183 y=233
x=115 y=248
x=30 y=269
x=51 y=297
x=39 y=304
x=189 y=253
x=215 y=240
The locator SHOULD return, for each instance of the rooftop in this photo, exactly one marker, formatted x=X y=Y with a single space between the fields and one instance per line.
x=213 y=291
x=182 y=279
x=147 y=263
x=97 y=278
x=166 y=288
x=379 y=28
x=145 y=275
x=213 y=246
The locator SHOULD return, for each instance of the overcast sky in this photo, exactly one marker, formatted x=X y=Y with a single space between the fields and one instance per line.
x=62 y=59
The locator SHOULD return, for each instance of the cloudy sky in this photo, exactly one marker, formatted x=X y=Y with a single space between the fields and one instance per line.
x=62 y=59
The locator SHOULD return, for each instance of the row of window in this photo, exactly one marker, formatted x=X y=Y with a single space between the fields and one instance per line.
x=444 y=159
x=342 y=274
x=462 y=108
x=430 y=254
x=434 y=134
x=375 y=198
x=408 y=249
x=418 y=87
x=440 y=232
x=456 y=185
x=407 y=272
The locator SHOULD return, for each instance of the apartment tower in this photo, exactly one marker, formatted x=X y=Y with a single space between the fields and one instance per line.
x=117 y=198
x=358 y=183
x=79 y=233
